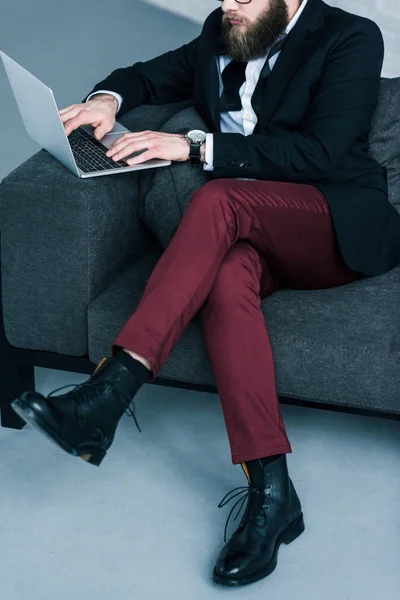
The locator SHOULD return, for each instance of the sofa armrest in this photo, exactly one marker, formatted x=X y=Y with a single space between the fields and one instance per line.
x=64 y=239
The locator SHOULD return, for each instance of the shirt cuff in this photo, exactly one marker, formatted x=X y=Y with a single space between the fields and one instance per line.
x=117 y=96
x=209 y=157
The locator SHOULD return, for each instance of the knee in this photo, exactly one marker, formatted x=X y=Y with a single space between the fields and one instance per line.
x=211 y=192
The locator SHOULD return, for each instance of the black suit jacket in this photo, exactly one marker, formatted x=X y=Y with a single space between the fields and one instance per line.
x=314 y=116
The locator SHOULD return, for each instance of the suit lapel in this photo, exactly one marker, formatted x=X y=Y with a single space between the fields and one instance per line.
x=211 y=79
x=298 y=46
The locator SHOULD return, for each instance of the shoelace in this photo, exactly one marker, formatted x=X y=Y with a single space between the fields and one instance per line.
x=250 y=492
x=81 y=388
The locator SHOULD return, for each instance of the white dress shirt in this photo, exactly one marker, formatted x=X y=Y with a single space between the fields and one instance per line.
x=240 y=121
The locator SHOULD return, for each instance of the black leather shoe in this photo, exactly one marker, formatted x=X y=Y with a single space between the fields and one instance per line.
x=83 y=421
x=273 y=515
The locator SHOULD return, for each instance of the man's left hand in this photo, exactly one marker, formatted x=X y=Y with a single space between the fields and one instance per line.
x=167 y=146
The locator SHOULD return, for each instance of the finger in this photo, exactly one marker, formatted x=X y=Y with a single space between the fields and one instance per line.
x=69 y=113
x=72 y=121
x=63 y=110
x=137 y=135
x=76 y=121
x=65 y=117
x=125 y=139
x=121 y=145
x=132 y=149
x=142 y=157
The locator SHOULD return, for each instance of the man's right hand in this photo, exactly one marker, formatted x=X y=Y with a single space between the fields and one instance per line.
x=99 y=112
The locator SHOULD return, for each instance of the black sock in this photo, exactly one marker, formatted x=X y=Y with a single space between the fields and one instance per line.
x=268 y=459
x=134 y=366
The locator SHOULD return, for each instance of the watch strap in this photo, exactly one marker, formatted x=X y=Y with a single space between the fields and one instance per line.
x=195 y=153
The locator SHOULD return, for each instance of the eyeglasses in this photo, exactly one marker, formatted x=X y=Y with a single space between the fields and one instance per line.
x=239 y=1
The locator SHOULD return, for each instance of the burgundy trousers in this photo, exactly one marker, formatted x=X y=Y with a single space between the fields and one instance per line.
x=238 y=242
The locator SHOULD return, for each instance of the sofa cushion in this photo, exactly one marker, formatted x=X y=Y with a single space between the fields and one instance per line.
x=384 y=137
x=309 y=329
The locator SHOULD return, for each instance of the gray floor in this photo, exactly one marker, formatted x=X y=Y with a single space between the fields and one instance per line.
x=147 y=522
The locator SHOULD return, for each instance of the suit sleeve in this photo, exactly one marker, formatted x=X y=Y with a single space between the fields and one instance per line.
x=161 y=80
x=340 y=111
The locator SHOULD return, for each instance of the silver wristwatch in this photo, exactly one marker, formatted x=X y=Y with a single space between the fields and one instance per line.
x=196 y=138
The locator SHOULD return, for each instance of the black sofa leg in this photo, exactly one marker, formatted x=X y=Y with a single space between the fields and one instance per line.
x=15 y=379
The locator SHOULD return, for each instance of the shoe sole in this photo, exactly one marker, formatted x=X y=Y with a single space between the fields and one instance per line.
x=292 y=532
x=21 y=406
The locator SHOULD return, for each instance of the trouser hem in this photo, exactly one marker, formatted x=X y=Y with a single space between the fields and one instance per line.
x=253 y=454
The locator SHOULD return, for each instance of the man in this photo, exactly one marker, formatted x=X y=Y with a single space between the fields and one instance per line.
x=295 y=201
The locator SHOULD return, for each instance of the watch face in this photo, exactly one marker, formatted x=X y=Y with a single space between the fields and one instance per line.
x=196 y=135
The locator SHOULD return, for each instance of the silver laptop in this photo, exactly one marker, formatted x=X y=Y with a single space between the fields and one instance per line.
x=80 y=152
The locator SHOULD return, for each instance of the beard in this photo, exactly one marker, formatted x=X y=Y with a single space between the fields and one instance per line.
x=250 y=41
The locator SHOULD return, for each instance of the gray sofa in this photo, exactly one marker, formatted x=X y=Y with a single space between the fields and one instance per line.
x=76 y=255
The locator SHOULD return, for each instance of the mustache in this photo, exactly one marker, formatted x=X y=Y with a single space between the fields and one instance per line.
x=232 y=18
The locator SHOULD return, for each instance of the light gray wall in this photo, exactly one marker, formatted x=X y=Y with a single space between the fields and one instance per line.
x=386 y=13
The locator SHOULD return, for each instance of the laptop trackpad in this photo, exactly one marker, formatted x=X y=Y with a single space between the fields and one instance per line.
x=116 y=132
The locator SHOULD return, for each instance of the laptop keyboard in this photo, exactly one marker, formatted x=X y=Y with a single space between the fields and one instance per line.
x=90 y=154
